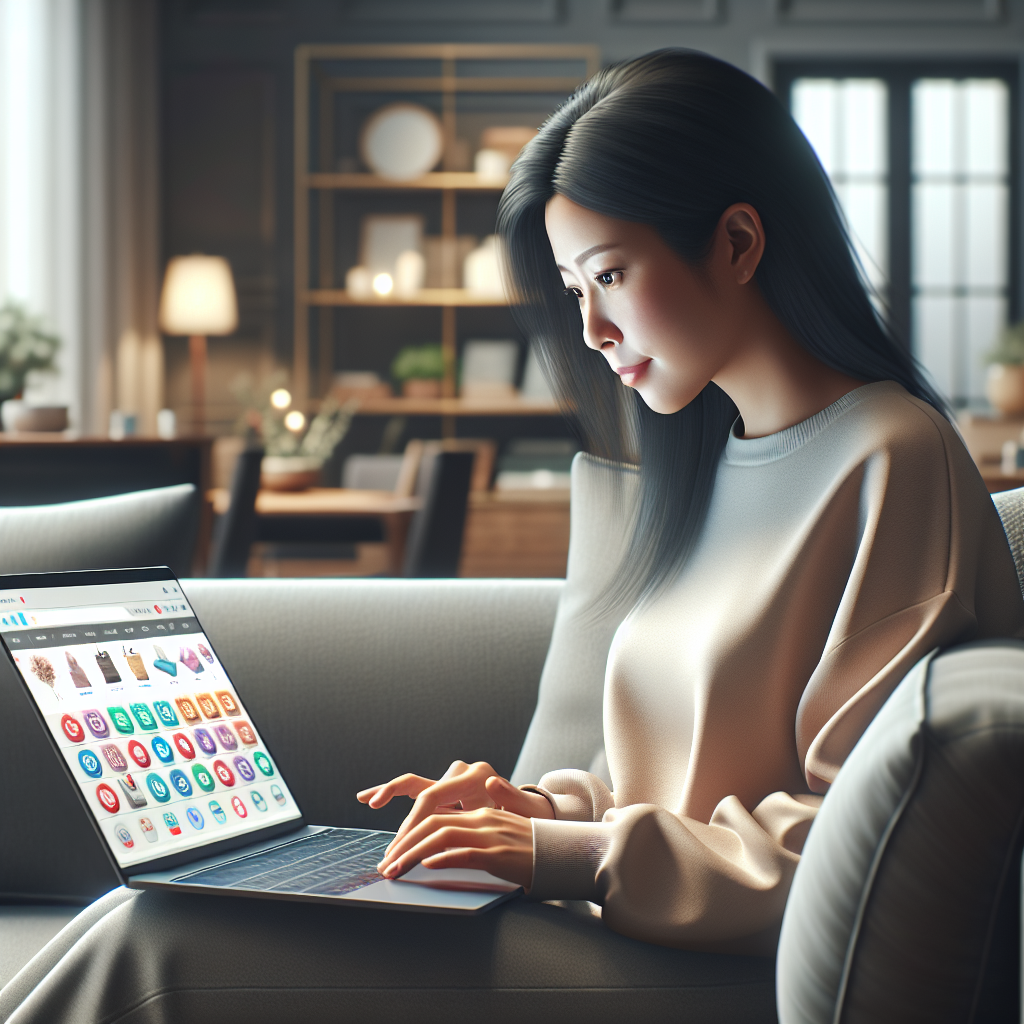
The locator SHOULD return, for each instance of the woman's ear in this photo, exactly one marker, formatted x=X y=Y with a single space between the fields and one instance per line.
x=742 y=229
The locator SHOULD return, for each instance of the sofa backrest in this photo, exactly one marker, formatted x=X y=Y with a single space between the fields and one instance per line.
x=351 y=682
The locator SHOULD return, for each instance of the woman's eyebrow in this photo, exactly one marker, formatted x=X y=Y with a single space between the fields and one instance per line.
x=587 y=253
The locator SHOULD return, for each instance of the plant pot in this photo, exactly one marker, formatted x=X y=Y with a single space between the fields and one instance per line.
x=42 y=419
x=421 y=387
x=289 y=472
x=1004 y=387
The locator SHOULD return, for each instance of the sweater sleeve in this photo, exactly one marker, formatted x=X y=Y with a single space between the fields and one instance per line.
x=722 y=884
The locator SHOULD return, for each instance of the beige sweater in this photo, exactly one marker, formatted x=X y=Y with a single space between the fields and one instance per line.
x=836 y=553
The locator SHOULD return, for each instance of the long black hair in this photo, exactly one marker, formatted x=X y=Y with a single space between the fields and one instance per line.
x=672 y=139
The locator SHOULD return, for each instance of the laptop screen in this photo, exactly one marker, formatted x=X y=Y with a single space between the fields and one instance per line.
x=143 y=712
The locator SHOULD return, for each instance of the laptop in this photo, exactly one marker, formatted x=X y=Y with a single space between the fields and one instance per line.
x=169 y=764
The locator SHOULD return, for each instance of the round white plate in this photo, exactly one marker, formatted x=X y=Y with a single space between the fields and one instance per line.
x=402 y=141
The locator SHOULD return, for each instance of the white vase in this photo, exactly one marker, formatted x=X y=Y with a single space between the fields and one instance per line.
x=9 y=413
x=1004 y=387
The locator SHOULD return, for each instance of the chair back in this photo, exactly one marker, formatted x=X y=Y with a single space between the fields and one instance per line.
x=235 y=531
x=1010 y=506
x=151 y=527
x=435 y=534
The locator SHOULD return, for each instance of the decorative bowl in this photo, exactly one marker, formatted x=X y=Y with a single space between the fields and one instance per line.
x=41 y=419
x=289 y=472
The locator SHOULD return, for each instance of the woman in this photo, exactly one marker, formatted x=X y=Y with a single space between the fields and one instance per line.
x=809 y=524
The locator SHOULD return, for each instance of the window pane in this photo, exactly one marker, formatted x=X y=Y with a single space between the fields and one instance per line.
x=960 y=230
x=846 y=121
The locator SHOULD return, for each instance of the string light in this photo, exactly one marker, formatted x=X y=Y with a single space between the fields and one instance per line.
x=281 y=398
x=295 y=421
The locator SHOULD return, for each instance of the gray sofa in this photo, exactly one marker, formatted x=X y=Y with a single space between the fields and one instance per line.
x=906 y=905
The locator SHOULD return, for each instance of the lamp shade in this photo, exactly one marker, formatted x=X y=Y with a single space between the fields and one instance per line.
x=198 y=296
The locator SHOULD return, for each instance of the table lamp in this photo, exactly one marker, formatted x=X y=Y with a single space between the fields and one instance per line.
x=198 y=299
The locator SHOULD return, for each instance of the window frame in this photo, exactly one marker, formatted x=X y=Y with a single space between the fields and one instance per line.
x=899 y=75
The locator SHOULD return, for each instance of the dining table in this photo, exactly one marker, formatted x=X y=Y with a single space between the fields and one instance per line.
x=394 y=512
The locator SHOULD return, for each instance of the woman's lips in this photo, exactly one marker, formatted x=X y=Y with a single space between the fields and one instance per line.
x=632 y=375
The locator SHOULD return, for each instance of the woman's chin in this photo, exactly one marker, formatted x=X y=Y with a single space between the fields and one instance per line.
x=666 y=405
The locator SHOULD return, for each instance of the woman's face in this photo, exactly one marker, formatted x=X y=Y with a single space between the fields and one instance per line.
x=665 y=328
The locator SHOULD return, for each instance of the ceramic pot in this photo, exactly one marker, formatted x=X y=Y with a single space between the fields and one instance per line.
x=41 y=419
x=421 y=388
x=289 y=472
x=1004 y=387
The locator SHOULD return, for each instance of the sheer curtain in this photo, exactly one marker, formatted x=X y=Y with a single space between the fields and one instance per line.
x=79 y=194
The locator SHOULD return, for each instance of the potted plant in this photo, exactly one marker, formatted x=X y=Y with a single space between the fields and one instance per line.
x=1004 y=384
x=294 y=453
x=25 y=345
x=420 y=370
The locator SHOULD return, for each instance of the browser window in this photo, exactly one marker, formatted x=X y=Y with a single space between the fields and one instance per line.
x=145 y=716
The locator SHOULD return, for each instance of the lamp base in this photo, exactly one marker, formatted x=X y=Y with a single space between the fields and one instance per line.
x=197 y=373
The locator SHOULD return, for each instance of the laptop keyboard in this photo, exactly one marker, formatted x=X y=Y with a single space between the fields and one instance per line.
x=330 y=863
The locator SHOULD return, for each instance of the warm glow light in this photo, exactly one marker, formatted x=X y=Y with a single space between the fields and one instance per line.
x=382 y=284
x=198 y=297
x=281 y=398
x=295 y=421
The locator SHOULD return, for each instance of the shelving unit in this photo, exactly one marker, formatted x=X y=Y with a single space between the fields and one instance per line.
x=456 y=74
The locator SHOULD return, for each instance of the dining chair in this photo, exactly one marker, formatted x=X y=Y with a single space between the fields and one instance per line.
x=235 y=530
x=434 y=544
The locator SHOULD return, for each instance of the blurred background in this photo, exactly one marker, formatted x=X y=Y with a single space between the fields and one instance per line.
x=248 y=245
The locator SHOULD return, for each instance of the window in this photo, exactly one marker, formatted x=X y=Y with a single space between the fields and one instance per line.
x=922 y=161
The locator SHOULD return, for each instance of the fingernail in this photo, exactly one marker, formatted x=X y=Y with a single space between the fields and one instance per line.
x=390 y=870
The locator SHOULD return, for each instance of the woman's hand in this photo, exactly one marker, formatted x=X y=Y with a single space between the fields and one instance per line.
x=464 y=819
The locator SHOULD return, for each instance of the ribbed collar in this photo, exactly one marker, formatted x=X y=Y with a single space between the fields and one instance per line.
x=756 y=451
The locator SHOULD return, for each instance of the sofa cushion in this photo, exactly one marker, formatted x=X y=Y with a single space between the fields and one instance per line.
x=24 y=930
x=905 y=905
x=567 y=729
x=350 y=681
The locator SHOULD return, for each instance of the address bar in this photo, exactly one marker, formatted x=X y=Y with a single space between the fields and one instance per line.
x=78 y=616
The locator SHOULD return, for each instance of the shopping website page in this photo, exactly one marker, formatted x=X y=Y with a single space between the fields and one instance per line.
x=145 y=716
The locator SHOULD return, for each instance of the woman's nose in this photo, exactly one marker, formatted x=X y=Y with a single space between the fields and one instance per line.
x=599 y=332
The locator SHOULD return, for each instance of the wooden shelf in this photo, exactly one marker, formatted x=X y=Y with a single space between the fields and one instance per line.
x=462 y=181
x=426 y=297
x=399 y=406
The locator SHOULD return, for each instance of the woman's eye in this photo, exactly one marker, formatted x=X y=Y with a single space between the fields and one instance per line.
x=573 y=292
x=608 y=278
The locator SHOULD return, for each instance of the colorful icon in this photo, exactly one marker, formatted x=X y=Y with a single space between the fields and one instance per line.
x=205 y=652
x=263 y=763
x=238 y=806
x=244 y=768
x=184 y=745
x=224 y=773
x=204 y=741
x=114 y=757
x=204 y=780
x=107 y=798
x=179 y=780
x=195 y=819
x=188 y=709
x=125 y=836
x=208 y=705
x=165 y=712
x=163 y=749
x=218 y=812
x=72 y=728
x=90 y=764
x=246 y=733
x=257 y=799
x=132 y=791
x=226 y=737
x=159 y=789
x=172 y=824
x=144 y=717
x=228 y=702
x=138 y=753
x=97 y=723
x=122 y=723
x=275 y=792
x=148 y=830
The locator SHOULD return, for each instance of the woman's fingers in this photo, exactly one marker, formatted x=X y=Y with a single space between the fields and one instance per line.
x=506 y=839
x=404 y=785
x=512 y=798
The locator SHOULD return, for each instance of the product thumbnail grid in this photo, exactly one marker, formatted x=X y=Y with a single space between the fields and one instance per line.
x=159 y=742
